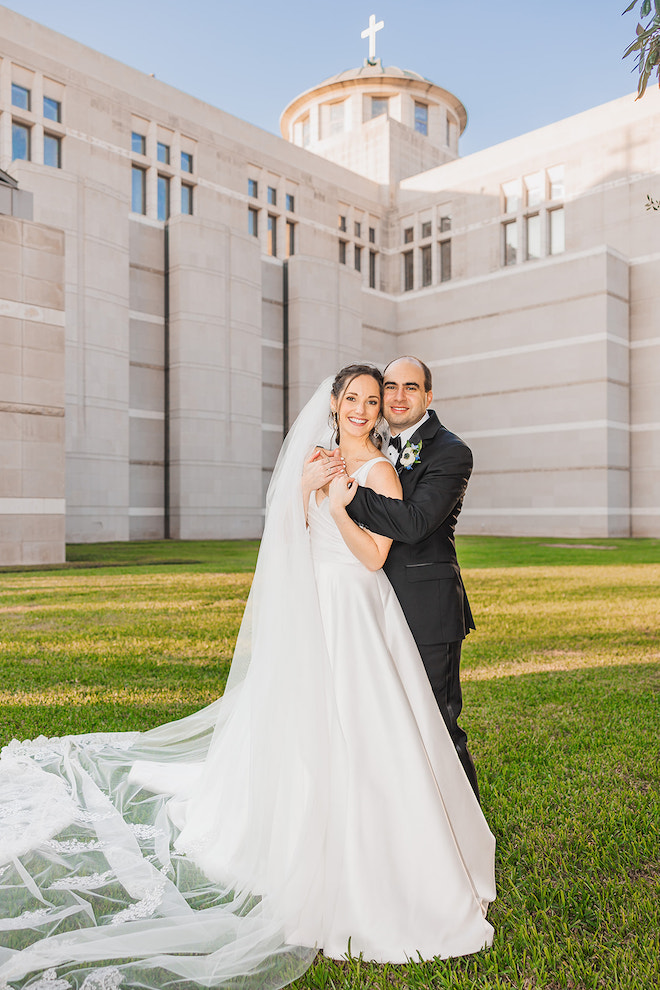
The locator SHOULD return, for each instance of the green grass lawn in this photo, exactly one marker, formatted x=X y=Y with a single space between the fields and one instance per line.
x=562 y=705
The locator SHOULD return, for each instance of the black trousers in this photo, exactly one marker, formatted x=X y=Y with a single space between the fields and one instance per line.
x=442 y=662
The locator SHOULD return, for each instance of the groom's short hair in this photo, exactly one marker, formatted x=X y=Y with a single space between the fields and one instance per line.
x=428 y=377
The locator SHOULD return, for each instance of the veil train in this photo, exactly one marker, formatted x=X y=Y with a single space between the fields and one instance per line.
x=143 y=859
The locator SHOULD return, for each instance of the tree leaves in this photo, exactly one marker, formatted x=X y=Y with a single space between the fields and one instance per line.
x=646 y=44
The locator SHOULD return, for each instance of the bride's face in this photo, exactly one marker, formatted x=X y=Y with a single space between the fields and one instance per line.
x=358 y=407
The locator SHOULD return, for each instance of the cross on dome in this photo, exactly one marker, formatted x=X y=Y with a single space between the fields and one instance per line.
x=370 y=33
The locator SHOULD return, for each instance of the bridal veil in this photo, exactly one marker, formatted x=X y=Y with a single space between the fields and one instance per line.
x=146 y=859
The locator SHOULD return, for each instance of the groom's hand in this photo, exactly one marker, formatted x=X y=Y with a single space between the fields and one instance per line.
x=321 y=467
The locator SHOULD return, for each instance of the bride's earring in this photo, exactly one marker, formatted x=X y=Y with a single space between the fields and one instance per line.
x=376 y=434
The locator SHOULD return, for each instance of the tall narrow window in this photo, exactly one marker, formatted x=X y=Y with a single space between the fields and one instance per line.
x=534 y=189
x=372 y=235
x=138 y=190
x=408 y=271
x=271 y=245
x=336 y=118
x=408 y=235
x=186 y=161
x=253 y=221
x=20 y=96
x=357 y=256
x=290 y=203
x=445 y=261
x=342 y=252
x=163 y=153
x=52 y=109
x=379 y=105
x=186 y=199
x=341 y=222
x=272 y=196
x=427 y=265
x=163 y=197
x=510 y=242
x=557 y=239
x=445 y=224
x=358 y=229
x=253 y=188
x=556 y=176
x=290 y=238
x=421 y=118
x=372 y=269
x=52 y=150
x=533 y=236
x=511 y=194
x=20 y=142
x=138 y=143
x=426 y=229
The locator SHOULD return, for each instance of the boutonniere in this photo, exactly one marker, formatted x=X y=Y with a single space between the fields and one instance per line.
x=410 y=455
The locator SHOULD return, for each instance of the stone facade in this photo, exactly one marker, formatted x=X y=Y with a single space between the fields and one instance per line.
x=185 y=280
x=32 y=505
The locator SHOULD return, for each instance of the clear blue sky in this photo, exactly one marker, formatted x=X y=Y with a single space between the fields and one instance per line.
x=515 y=65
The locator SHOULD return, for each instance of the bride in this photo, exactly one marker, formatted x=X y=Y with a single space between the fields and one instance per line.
x=319 y=804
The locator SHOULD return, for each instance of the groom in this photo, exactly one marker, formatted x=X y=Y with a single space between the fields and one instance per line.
x=434 y=466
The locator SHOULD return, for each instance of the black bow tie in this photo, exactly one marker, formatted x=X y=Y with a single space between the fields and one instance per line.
x=396 y=443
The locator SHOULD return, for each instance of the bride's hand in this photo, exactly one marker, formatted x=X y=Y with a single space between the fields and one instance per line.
x=341 y=491
x=321 y=468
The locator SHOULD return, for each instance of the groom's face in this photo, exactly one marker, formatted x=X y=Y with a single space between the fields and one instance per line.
x=405 y=399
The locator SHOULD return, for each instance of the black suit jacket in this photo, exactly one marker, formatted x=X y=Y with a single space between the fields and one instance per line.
x=421 y=564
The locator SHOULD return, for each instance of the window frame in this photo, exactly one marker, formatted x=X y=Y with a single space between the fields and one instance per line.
x=163 y=182
x=421 y=122
x=512 y=244
x=426 y=264
x=552 y=232
x=385 y=100
x=408 y=271
x=187 y=187
x=18 y=125
x=445 y=260
x=271 y=235
x=143 y=190
x=57 y=142
x=253 y=221
x=15 y=89
x=57 y=119
x=537 y=235
x=290 y=238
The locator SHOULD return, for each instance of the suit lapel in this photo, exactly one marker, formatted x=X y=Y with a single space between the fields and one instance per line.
x=425 y=433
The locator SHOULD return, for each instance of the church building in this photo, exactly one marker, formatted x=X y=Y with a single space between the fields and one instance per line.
x=175 y=282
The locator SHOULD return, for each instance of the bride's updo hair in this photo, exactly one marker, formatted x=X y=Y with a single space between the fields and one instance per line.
x=342 y=380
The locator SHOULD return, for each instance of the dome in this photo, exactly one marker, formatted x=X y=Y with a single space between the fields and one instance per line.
x=369 y=76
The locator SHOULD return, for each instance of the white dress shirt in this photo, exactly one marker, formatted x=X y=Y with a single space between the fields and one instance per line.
x=405 y=435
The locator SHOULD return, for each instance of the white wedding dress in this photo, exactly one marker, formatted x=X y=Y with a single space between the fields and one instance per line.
x=318 y=804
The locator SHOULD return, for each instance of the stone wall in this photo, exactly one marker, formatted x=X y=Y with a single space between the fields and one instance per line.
x=32 y=489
